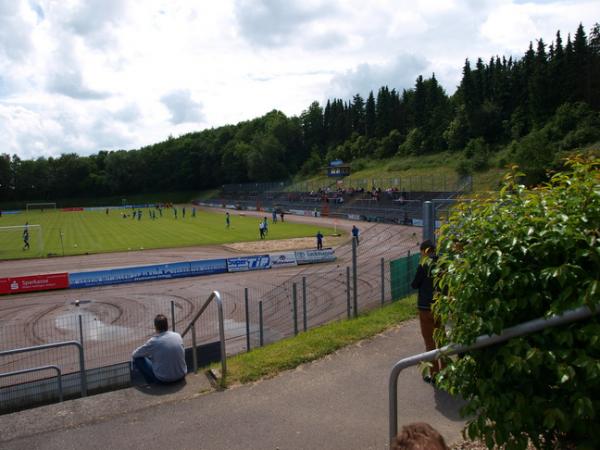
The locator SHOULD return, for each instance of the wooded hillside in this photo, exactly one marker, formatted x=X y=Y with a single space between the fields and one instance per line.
x=538 y=105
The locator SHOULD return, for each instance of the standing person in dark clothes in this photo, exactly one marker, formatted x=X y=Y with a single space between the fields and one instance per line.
x=424 y=283
x=227 y=220
x=26 y=236
x=319 y=240
x=355 y=233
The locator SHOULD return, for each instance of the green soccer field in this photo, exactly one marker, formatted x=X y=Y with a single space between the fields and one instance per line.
x=96 y=232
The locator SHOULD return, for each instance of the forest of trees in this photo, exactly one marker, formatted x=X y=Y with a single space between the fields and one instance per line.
x=535 y=106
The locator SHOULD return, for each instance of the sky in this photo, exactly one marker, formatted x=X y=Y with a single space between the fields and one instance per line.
x=80 y=76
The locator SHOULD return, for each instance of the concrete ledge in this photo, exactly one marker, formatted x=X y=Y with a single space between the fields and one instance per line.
x=81 y=411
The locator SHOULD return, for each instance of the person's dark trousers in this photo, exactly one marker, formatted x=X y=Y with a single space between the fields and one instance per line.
x=144 y=365
x=428 y=325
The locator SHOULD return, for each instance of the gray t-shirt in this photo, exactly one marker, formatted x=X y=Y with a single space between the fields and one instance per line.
x=167 y=354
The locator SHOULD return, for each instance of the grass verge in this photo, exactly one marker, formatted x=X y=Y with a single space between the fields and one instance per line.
x=288 y=353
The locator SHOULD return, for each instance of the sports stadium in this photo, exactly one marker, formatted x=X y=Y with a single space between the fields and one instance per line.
x=99 y=275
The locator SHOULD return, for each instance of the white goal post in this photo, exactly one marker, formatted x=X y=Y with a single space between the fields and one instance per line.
x=42 y=206
x=12 y=240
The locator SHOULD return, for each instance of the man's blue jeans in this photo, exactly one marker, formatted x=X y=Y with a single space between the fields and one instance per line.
x=144 y=365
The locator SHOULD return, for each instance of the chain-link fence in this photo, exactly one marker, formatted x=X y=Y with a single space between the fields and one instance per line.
x=280 y=303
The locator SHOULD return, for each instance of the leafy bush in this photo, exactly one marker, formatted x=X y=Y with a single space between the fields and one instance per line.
x=312 y=164
x=414 y=143
x=464 y=168
x=572 y=126
x=528 y=254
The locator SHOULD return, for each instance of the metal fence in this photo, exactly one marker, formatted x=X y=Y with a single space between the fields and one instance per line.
x=277 y=307
x=444 y=182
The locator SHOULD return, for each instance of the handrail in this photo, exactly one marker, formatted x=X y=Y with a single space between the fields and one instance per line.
x=522 y=329
x=39 y=369
x=56 y=345
x=215 y=295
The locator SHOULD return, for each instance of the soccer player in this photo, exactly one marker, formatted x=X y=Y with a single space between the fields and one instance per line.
x=261 y=229
x=227 y=219
x=26 y=237
x=265 y=226
x=274 y=219
x=183 y=212
x=194 y=211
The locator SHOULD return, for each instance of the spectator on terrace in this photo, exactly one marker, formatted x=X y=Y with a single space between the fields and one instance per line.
x=162 y=358
x=423 y=281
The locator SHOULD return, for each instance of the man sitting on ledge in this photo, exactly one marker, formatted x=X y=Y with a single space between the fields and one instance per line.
x=162 y=358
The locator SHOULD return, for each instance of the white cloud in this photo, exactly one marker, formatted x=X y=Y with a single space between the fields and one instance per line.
x=16 y=23
x=276 y=23
x=399 y=73
x=182 y=107
x=85 y=75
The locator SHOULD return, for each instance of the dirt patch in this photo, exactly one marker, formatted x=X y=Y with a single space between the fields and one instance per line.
x=265 y=246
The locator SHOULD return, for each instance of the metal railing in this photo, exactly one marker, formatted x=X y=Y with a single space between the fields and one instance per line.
x=39 y=369
x=215 y=295
x=482 y=341
x=49 y=346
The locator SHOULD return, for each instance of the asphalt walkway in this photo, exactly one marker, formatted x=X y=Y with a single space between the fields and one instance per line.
x=339 y=402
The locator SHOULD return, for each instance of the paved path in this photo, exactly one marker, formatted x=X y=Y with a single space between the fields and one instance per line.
x=339 y=402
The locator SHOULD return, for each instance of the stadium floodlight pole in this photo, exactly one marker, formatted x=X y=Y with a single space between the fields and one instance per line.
x=354 y=277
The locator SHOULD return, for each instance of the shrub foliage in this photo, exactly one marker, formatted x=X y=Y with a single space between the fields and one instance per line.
x=524 y=255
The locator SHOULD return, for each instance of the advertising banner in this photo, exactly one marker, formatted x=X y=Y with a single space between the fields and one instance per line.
x=245 y=263
x=283 y=259
x=146 y=273
x=47 y=282
x=77 y=209
x=353 y=216
x=315 y=256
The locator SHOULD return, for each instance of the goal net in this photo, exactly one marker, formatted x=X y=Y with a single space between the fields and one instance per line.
x=14 y=240
x=40 y=206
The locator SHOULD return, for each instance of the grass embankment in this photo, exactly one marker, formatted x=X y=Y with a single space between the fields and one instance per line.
x=97 y=232
x=315 y=343
x=414 y=173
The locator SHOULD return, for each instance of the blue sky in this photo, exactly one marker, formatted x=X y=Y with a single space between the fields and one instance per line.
x=83 y=76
